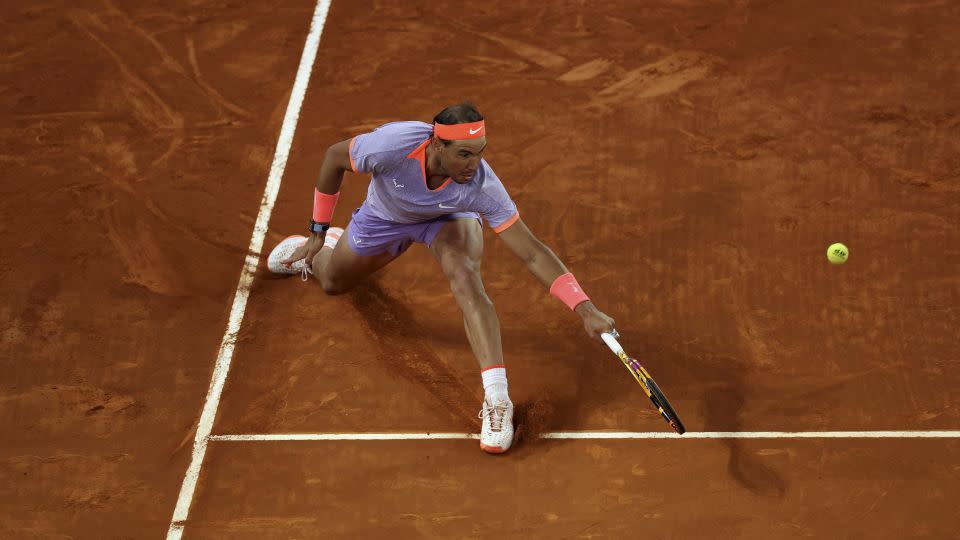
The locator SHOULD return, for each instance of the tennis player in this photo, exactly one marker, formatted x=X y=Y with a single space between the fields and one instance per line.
x=430 y=184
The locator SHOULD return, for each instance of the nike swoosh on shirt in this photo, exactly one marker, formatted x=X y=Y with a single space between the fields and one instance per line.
x=442 y=206
x=474 y=131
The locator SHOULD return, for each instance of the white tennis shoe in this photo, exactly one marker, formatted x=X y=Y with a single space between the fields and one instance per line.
x=290 y=244
x=496 y=432
x=283 y=251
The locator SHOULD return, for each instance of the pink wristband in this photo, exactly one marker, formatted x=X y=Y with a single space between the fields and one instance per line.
x=323 y=205
x=568 y=290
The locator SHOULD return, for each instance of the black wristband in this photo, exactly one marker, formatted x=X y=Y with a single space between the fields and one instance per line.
x=318 y=227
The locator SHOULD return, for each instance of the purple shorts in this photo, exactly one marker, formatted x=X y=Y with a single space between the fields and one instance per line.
x=369 y=235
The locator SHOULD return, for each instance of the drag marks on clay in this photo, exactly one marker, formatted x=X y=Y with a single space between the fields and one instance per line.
x=908 y=6
x=146 y=103
x=254 y=527
x=40 y=318
x=744 y=148
x=60 y=115
x=259 y=527
x=221 y=34
x=403 y=350
x=655 y=79
x=890 y=143
x=144 y=237
x=278 y=403
x=152 y=80
x=270 y=408
x=146 y=262
x=587 y=71
x=948 y=182
x=84 y=482
x=532 y=418
x=113 y=17
x=528 y=52
x=58 y=406
x=212 y=92
x=482 y=66
x=157 y=88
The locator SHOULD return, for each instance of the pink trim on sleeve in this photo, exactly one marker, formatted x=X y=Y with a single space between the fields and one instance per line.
x=353 y=166
x=506 y=224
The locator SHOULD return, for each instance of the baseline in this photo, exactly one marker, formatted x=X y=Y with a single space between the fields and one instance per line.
x=943 y=434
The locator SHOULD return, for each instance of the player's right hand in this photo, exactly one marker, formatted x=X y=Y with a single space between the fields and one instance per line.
x=307 y=251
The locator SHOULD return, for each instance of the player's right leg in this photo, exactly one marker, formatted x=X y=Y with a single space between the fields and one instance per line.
x=341 y=268
x=337 y=266
x=348 y=256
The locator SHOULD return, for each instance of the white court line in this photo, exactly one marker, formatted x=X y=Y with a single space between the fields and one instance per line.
x=597 y=435
x=224 y=357
x=345 y=437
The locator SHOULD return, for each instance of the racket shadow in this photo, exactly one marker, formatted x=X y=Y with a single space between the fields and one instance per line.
x=566 y=402
x=720 y=393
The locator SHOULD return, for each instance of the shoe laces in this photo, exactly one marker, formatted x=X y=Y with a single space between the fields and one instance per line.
x=305 y=271
x=496 y=414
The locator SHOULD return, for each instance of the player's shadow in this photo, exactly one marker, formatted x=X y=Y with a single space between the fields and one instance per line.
x=402 y=342
x=403 y=350
x=566 y=398
x=718 y=386
x=558 y=404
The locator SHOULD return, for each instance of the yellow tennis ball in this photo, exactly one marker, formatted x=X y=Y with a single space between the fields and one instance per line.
x=837 y=253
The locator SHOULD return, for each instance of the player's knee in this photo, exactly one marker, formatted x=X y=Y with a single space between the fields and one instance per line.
x=465 y=280
x=333 y=287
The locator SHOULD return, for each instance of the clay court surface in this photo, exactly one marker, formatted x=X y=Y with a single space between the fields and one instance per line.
x=689 y=160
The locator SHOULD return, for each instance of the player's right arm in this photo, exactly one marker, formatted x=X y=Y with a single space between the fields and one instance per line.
x=335 y=163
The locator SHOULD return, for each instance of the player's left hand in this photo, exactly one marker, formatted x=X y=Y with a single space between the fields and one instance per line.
x=595 y=322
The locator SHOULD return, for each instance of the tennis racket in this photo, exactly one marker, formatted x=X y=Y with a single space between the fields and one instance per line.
x=646 y=381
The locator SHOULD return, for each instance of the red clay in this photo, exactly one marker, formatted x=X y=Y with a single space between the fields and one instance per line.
x=583 y=489
x=690 y=161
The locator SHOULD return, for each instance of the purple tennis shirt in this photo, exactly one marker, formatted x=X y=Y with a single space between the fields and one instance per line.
x=395 y=156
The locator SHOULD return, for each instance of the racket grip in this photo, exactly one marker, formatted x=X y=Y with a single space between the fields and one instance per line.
x=611 y=342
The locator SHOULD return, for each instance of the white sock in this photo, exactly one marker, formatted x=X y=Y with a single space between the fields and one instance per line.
x=495 y=383
x=331 y=239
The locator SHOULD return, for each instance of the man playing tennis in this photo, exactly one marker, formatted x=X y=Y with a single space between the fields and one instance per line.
x=430 y=184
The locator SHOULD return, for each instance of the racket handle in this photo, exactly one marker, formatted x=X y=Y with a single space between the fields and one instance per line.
x=611 y=342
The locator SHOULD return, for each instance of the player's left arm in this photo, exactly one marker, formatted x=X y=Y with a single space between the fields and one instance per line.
x=547 y=268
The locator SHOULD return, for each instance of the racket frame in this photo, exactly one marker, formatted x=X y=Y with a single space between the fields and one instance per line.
x=646 y=381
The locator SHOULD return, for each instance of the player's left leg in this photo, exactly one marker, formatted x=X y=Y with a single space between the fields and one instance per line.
x=458 y=247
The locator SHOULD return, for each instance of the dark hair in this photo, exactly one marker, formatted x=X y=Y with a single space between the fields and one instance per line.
x=461 y=113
